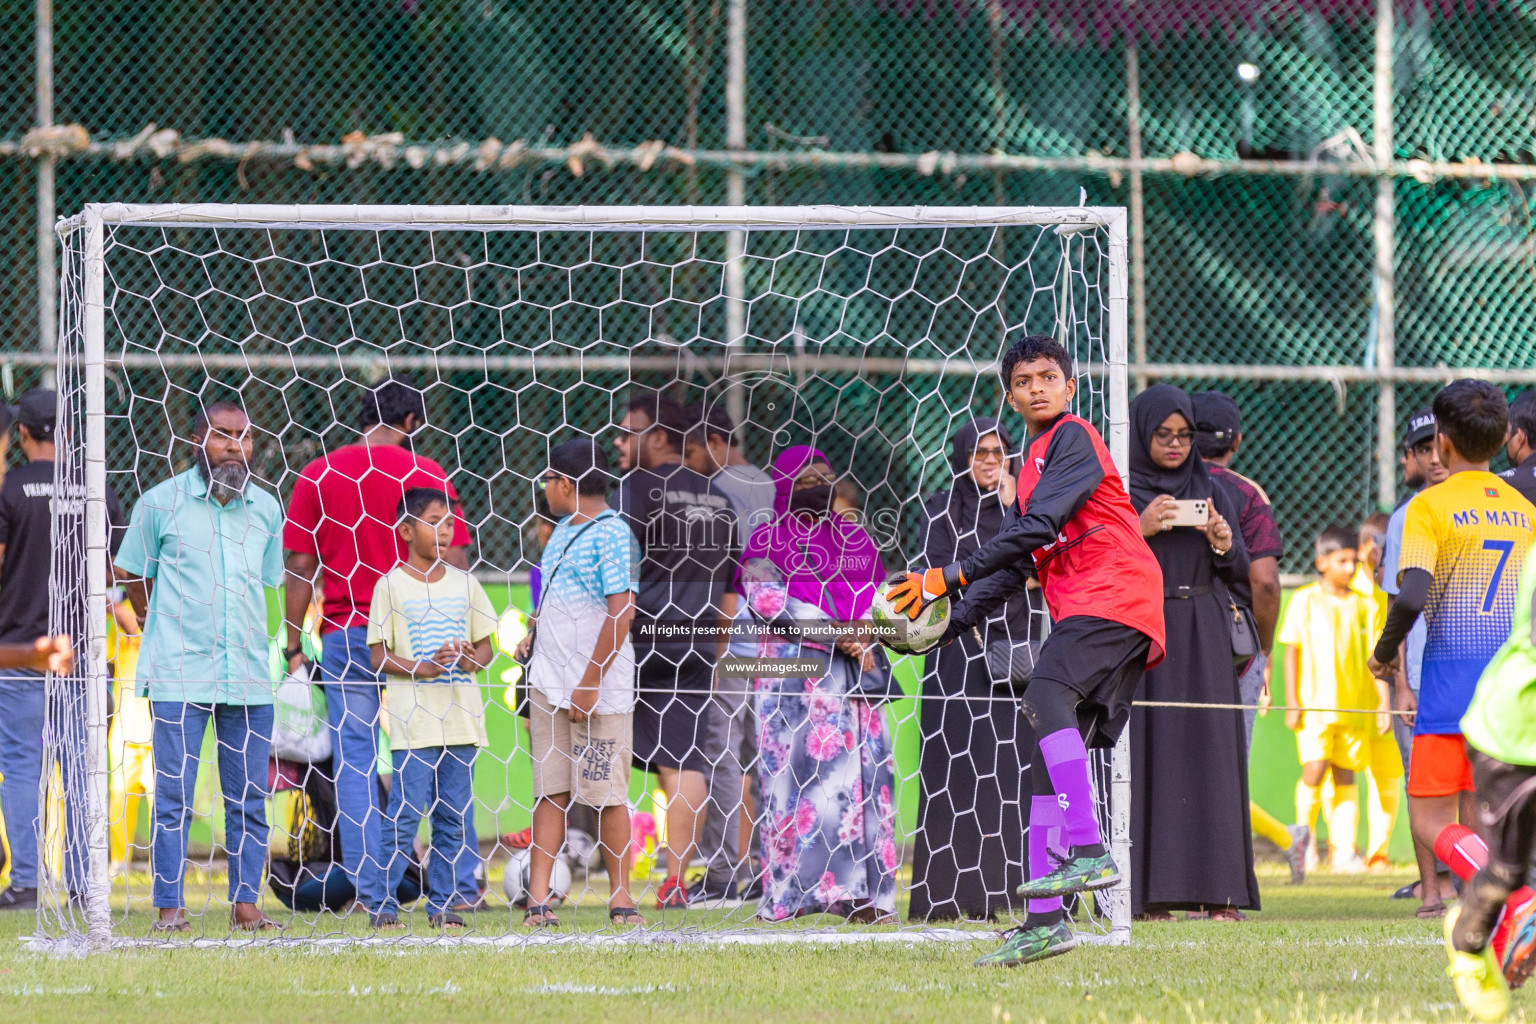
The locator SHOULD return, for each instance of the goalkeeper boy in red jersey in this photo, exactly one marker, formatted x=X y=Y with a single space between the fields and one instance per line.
x=1074 y=528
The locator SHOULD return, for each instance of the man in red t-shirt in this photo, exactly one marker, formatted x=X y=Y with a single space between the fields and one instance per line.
x=341 y=520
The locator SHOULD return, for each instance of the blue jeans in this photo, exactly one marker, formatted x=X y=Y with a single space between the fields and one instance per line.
x=435 y=781
x=1250 y=686
x=22 y=702
x=352 y=707
x=243 y=737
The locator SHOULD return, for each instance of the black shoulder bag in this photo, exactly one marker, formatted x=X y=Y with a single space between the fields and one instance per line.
x=1242 y=625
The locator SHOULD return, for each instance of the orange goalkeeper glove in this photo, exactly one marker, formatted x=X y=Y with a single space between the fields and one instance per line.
x=911 y=592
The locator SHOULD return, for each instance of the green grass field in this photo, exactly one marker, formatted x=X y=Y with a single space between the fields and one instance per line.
x=1333 y=950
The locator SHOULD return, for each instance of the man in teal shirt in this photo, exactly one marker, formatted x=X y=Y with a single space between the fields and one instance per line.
x=200 y=552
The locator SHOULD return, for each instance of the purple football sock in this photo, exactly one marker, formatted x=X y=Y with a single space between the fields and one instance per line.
x=1044 y=835
x=1066 y=759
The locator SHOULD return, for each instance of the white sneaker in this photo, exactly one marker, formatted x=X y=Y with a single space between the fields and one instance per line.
x=1351 y=865
x=1296 y=856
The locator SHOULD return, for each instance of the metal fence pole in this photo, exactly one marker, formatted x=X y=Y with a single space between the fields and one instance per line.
x=1138 y=212
x=736 y=194
x=47 y=207
x=1385 y=233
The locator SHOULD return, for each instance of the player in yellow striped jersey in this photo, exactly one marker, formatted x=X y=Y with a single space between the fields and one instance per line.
x=1464 y=541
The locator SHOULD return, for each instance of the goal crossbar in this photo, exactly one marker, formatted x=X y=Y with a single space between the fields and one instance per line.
x=601 y=218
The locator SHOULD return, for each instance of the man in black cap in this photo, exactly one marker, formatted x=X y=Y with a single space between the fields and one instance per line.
x=1421 y=468
x=26 y=556
x=1520 y=445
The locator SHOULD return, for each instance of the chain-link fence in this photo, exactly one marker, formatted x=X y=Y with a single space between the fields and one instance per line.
x=1246 y=137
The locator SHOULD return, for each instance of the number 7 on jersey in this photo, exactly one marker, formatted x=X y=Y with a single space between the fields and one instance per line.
x=1504 y=548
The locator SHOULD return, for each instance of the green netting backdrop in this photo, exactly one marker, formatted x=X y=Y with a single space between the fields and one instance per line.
x=1273 y=270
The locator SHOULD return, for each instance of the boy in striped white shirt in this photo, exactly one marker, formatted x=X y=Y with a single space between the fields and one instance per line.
x=429 y=630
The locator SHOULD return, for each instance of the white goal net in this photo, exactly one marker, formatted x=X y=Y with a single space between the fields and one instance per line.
x=454 y=349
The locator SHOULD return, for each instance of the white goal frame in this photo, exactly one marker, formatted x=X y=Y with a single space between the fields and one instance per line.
x=94 y=220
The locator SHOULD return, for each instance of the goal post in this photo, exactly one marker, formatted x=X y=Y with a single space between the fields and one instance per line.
x=871 y=332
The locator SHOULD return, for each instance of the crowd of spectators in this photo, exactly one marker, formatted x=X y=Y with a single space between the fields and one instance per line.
x=665 y=571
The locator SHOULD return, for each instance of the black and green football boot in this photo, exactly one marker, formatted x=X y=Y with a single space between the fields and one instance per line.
x=1026 y=945
x=1078 y=873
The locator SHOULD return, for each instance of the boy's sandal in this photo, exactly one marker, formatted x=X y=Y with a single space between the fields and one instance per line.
x=625 y=915
x=447 y=919
x=384 y=921
x=172 y=927
x=259 y=924
x=1430 y=912
x=540 y=916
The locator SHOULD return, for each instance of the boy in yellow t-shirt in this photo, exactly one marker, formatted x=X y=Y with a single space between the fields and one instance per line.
x=1328 y=631
x=429 y=630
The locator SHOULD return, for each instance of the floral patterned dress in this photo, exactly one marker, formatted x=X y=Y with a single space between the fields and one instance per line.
x=828 y=820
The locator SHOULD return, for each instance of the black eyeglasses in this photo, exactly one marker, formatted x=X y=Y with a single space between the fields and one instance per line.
x=543 y=482
x=1163 y=435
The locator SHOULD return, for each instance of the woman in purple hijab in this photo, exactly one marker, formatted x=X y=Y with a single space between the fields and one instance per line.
x=828 y=820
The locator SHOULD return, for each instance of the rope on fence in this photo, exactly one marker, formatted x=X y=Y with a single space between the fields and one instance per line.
x=72 y=141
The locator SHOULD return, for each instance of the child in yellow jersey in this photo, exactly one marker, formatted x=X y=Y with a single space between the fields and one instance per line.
x=1328 y=630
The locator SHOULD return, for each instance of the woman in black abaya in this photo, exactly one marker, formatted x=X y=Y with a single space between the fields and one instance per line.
x=975 y=791
x=1190 y=843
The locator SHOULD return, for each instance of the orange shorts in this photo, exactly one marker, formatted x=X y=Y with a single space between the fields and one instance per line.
x=1438 y=766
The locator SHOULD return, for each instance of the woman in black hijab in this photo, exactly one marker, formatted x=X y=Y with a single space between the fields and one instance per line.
x=1190 y=844
x=973 y=803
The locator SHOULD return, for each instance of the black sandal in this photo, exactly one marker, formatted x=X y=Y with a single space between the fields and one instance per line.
x=625 y=915
x=447 y=919
x=546 y=917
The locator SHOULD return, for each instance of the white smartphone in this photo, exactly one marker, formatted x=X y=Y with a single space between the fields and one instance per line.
x=1194 y=512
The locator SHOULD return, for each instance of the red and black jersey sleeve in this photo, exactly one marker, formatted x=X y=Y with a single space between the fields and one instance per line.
x=1071 y=473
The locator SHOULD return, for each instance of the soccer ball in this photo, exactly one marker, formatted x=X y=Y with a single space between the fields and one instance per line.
x=582 y=851
x=515 y=882
x=904 y=635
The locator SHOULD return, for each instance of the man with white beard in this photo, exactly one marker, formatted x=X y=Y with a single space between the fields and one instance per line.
x=200 y=552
